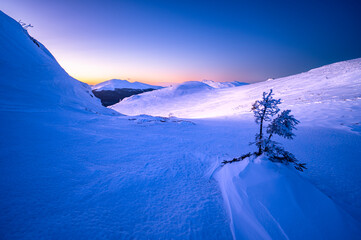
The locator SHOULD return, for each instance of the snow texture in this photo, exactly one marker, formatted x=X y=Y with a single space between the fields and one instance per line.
x=223 y=84
x=269 y=201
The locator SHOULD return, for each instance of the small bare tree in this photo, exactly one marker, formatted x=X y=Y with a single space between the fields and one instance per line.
x=263 y=111
x=24 y=25
x=282 y=125
x=25 y=28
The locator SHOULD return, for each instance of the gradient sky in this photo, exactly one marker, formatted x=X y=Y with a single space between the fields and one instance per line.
x=174 y=41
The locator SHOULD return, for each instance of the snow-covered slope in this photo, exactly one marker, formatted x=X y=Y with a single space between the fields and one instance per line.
x=335 y=87
x=117 y=83
x=327 y=100
x=31 y=78
x=224 y=84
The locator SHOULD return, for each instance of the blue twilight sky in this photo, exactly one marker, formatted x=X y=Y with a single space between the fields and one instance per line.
x=173 y=41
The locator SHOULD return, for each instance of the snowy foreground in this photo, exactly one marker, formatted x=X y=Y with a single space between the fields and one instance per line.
x=72 y=169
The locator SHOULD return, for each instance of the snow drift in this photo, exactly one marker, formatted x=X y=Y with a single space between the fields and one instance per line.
x=269 y=201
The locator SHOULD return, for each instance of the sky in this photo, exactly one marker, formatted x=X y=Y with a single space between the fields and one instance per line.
x=159 y=41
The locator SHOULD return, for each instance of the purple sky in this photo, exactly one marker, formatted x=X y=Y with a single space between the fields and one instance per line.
x=175 y=41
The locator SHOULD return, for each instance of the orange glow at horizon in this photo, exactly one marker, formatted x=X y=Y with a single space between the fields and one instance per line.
x=88 y=70
x=160 y=83
x=98 y=65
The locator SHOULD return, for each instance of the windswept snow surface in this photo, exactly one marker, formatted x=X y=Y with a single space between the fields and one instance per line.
x=327 y=92
x=70 y=169
x=117 y=83
x=88 y=176
x=224 y=84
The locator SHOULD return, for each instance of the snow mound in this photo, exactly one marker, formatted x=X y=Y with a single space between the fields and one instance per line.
x=117 y=83
x=135 y=104
x=31 y=78
x=190 y=87
x=224 y=84
x=259 y=197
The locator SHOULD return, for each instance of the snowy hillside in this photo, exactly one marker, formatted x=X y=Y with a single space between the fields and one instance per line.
x=116 y=83
x=31 y=78
x=178 y=92
x=224 y=84
x=326 y=100
x=335 y=87
x=71 y=169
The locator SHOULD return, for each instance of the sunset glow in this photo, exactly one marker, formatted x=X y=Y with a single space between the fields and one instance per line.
x=169 y=42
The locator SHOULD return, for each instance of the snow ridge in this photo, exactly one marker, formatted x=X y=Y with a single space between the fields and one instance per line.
x=32 y=79
x=223 y=84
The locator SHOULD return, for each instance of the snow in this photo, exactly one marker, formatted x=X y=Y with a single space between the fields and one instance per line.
x=326 y=100
x=189 y=88
x=223 y=84
x=335 y=88
x=116 y=83
x=90 y=176
x=71 y=168
x=31 y=79
x=268 y=201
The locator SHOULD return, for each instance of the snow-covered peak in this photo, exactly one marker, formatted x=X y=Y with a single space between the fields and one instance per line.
x=117 y=83
x=223 y=84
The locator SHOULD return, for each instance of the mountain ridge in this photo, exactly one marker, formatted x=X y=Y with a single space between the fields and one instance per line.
x=118 y=83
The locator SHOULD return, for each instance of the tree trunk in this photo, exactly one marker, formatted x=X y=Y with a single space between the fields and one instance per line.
x=260 y=137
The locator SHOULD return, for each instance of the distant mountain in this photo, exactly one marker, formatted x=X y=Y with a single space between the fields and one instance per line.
x=113 y=91
x=223 y=84
x=117 y=83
